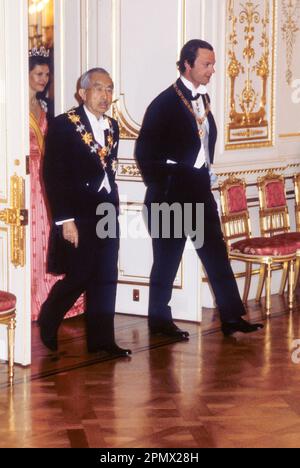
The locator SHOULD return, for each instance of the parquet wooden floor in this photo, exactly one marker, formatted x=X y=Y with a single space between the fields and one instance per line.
x=209 y=392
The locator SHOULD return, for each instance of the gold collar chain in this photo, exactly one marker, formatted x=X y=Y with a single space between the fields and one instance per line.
x=200 y=120
x=88 y=139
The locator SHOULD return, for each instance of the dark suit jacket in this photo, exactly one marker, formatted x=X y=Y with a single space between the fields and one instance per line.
x=72 y=177
x=170 y=131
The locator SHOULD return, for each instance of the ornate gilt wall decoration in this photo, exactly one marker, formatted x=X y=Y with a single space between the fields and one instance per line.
x=129 y=130
x=128 y=171
x=250 y=73
x=290 y=28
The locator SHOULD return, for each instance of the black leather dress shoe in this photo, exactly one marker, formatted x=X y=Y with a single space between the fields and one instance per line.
x=112 y=350
x=169 y=329
x=50 y=343
x=241 y=325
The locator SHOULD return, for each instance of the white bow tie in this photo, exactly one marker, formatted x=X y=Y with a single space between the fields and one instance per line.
x=103 y=124
x=201 y=90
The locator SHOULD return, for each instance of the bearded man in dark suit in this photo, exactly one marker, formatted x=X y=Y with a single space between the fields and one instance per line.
x=79 y=176
x=175 y=151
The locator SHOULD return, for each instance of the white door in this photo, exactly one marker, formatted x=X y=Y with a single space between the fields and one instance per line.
x=14 y=184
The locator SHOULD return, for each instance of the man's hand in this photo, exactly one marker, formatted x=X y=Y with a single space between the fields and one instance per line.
x=70 y=233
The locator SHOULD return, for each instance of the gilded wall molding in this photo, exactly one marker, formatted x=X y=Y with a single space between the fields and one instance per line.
x=259 y=171
x=129 y=171
x=142 y=280
x=129 y=129
x=290 y=27
x=250 y=73
x=251 y=171
x=290 y=135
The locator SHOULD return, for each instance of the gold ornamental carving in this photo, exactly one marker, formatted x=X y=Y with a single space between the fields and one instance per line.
x=130 y=170
x=17 y=218
x=290 y=28
x=129 y=130
x=250 y=73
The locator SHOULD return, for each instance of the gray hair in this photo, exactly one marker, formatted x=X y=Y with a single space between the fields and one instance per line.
x=85 y=78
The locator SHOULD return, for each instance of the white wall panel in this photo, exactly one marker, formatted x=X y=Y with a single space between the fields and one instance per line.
x=148 y=50
x=14 y=129
x=4 y=256
x=3 y=168
x=68 y=52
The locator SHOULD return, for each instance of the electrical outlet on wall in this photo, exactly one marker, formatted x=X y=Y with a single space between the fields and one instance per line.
x=136 y=295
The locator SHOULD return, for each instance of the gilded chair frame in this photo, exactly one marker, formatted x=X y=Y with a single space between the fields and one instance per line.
x=297 y=200
x=8 y=318
x=237 y=226
x=275 y=221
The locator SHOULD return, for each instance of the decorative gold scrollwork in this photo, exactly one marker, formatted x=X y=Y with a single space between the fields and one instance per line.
x=129 y=130
x=13 y=216
x=290 y=28
x=250 y=122
x=17 y=218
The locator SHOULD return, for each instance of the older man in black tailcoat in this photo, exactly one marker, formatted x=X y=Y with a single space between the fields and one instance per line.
x=79 y=176
x=175 y=150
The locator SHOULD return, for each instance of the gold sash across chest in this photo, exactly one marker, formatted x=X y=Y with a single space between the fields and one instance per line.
x=37 y=131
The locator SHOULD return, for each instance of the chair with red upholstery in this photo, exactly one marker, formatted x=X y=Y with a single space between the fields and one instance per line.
x=274 y=217
x=8 y=318
x=266 y=252
x=297 y=200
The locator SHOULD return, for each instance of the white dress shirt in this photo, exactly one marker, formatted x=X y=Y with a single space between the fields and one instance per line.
x=98 y=128
x=198 y=107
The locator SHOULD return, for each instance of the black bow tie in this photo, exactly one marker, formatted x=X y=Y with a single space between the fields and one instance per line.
x=195 y=97
x=190 y=96
x=188 y=93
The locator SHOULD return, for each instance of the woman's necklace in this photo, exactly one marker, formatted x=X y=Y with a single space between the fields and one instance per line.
x=35 y=108
x=200 y=120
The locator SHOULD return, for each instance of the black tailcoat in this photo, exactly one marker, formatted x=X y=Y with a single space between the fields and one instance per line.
x=170 y=132
x=72 y=178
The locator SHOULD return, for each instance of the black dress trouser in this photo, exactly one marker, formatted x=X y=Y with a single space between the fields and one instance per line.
x=91 y=268
x=194 y=187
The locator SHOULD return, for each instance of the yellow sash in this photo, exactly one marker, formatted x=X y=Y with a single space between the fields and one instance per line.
x=38 y=133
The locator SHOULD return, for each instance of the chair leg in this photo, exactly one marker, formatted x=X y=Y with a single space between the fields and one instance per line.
x=261 y=282
x=268 y=288
x=291 y=284
x=11 y=343
x=247 y=281
x=284 y=278
x=297 y=271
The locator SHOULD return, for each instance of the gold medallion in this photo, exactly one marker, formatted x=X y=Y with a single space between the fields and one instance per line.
x=201 y=133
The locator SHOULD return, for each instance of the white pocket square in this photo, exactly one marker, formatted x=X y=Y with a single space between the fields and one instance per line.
x=169 y=161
